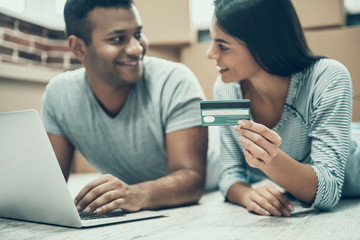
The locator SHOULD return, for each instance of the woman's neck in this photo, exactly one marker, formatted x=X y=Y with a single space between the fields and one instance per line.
x=266 y=87
x=267 y=98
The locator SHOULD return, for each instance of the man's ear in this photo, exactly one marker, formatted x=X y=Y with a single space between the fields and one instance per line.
x=78 y=47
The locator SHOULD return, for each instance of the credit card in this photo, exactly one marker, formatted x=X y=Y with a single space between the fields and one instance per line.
x=224 y=112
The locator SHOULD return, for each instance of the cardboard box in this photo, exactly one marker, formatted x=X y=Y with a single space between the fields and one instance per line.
x=320 y=13
x=342 y=44
x=166 y=22
x=165 y=52
x=195 y=58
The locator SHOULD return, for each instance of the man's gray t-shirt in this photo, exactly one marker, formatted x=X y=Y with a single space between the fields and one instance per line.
x=131 y=145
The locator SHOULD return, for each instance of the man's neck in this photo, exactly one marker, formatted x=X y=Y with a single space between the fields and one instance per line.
x=110 y=97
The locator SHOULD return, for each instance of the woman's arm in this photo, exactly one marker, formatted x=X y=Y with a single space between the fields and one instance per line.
x=262 y=151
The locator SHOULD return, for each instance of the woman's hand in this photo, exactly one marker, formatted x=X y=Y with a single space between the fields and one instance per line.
x=267 y=200
x=261 y=143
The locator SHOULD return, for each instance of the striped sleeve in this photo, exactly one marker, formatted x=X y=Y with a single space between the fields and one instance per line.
x=232 y=159
x=330 y=132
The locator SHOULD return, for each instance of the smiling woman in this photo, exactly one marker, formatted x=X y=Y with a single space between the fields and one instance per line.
x=297 y=137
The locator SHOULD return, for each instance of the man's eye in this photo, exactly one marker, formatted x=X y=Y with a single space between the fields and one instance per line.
x=222 y=48
x=118 y=39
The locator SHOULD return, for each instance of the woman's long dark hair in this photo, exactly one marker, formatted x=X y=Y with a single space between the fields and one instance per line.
x=271 y=31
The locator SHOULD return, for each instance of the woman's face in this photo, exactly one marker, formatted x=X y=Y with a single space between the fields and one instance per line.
x=234 y=60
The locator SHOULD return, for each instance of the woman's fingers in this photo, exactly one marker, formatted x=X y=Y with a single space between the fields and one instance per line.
x=256 y=208
x=261 y=143
x=261 y=130
x=264 y=203
x=259 y=146
x=280 y=196
x=266 y=200
x=252 y=160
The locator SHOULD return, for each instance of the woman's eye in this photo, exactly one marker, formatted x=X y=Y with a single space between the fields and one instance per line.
x=137 y=35
x=222 y=48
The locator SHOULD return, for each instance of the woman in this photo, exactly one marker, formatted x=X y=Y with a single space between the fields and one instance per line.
x=299 y=136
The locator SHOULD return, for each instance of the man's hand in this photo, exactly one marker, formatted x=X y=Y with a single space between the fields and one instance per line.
x=108 y=193
x=267 y=200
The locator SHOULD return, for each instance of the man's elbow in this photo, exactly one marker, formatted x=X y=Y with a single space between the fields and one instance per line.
x=198 y=189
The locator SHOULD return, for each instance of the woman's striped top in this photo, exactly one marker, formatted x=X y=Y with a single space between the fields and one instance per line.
x=315 y=130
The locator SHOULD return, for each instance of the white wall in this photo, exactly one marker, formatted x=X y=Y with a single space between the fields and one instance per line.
x=47 y=13
x=201 y=13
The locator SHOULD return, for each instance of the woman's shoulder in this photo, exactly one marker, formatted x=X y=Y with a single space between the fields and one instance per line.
x=328 y=77
x=330 y=67
x=324 y=72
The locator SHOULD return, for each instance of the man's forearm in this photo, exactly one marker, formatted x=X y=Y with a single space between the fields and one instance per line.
x=181 y=187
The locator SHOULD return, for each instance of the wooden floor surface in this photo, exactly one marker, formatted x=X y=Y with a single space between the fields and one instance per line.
x=212 y=218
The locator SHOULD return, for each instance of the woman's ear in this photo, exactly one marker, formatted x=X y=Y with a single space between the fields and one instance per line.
x=78 y=47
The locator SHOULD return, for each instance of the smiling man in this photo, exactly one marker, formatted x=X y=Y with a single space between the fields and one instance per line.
x=134 y=118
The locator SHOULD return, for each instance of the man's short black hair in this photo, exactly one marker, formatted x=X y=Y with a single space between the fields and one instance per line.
x=76 y=15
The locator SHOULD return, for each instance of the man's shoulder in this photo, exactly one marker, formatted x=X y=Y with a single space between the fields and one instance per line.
x=161 y=71
x=151 y=60
x=155 y=65
x=67 y=85
x=164 y=76
x=70 y=77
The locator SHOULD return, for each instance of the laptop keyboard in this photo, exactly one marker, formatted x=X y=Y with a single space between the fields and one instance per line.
x=93 y=216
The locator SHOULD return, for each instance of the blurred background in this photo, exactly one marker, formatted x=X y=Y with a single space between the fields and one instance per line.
x=33 y=47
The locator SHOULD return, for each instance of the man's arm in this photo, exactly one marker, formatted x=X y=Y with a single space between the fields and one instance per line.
x=184 y=184
x=64 y=151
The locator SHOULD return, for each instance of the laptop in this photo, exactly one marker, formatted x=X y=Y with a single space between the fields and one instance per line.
x=31 y=182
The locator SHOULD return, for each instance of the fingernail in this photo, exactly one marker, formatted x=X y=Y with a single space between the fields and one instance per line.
x=290 y=207
x=78 y=208
x=277 y=213
x=98 y=210
x=237 y=127
x=242 y=139
x=87 y=210
x=267 y=213
x=241 y=123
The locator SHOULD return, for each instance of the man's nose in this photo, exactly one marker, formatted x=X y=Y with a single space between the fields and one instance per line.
x=134 y=47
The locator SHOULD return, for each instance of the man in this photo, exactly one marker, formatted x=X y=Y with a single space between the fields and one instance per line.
x=133 y=117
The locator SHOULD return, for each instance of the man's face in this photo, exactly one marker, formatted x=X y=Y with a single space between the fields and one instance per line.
x=116 y=50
